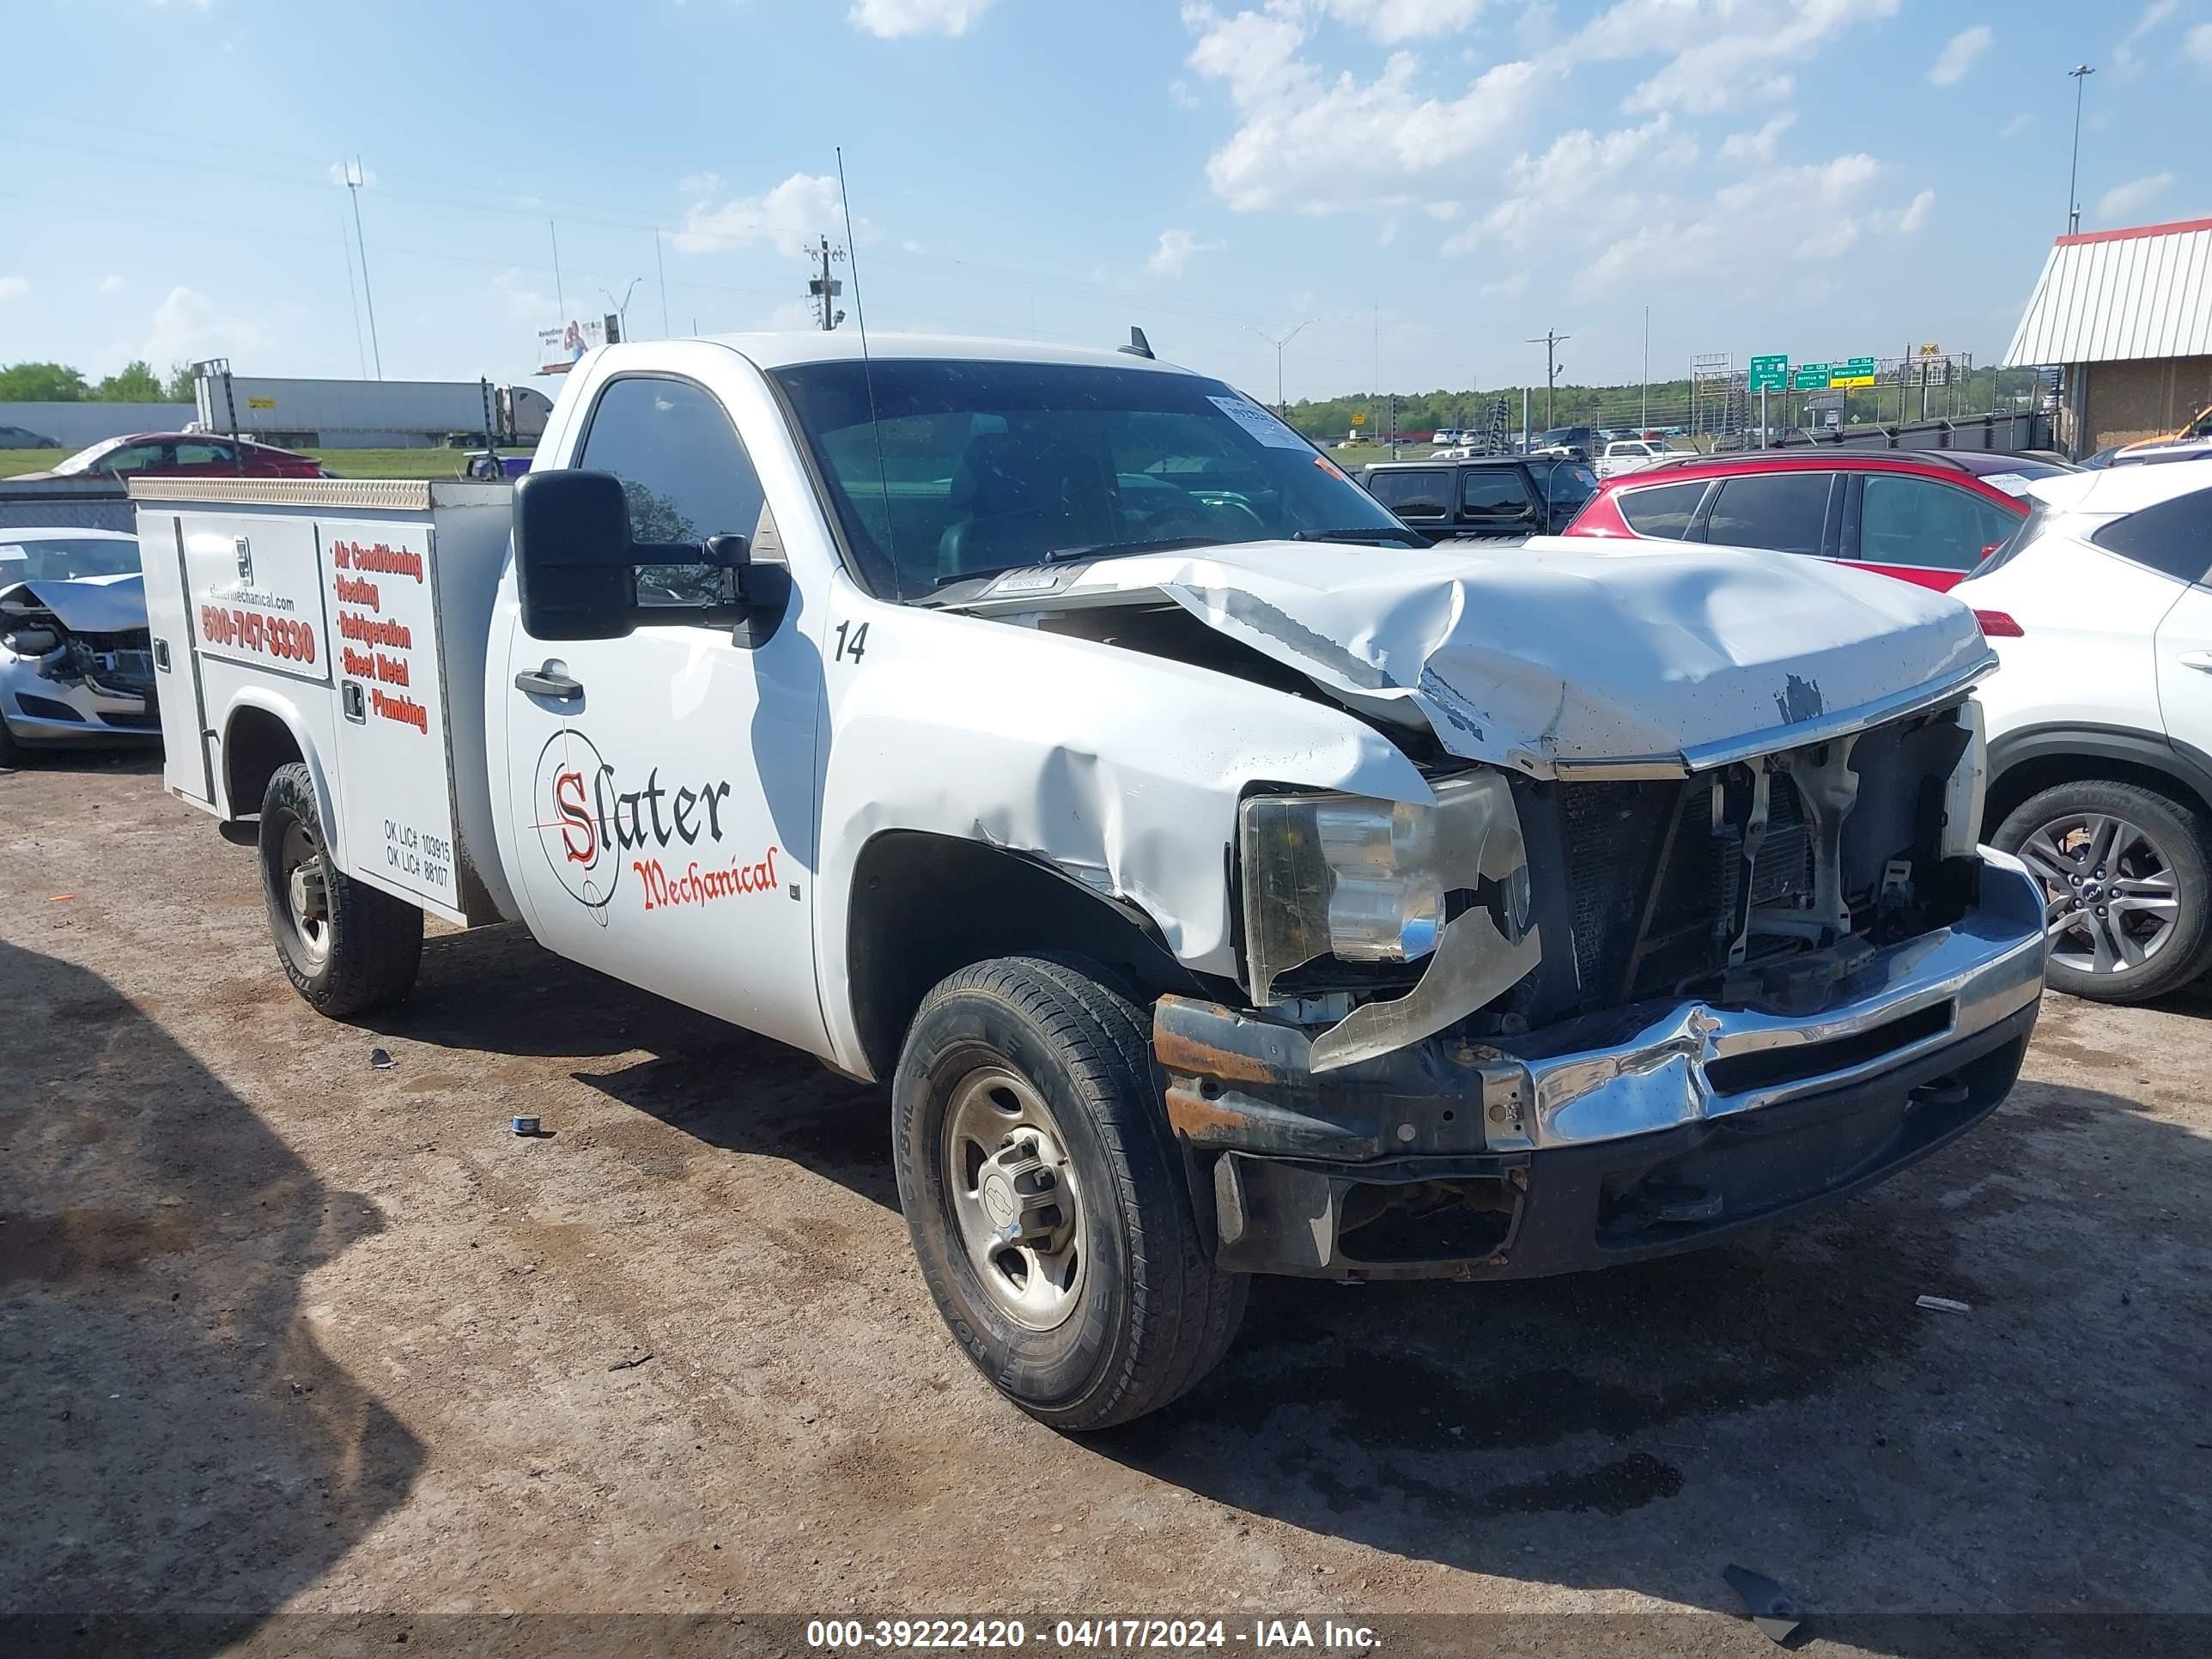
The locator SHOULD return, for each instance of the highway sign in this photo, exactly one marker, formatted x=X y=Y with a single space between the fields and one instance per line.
x=1852 y=371
x=1810 y=377
x=1770 y=374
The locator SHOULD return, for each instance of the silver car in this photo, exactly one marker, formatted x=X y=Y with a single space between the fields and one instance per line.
x=76 y=660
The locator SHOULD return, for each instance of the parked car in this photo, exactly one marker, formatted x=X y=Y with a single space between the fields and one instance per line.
x=1626 y=455
x=21 y=437
x=184 y=455
x=2100 y=721
x=1500 y=498
x=1928 y=516
x=2198 y=426
x=1580 y=440
x=1216 y=884
x=75 y=666
x=2180 y=449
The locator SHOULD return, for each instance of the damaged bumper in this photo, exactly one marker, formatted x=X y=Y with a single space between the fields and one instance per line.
x=1641 y=1131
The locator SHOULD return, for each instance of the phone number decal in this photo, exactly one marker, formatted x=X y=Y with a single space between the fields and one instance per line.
x=250 y=631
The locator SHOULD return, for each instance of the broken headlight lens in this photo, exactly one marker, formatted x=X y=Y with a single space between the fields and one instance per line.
x=1337 y=876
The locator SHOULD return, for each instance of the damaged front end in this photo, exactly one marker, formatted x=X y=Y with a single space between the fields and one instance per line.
x=1553 y=1023
x=64 y=683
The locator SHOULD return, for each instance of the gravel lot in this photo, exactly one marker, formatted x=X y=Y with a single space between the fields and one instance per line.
x=281 y=1333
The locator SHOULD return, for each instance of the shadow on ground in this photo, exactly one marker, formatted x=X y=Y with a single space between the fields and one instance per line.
x=176 y=1436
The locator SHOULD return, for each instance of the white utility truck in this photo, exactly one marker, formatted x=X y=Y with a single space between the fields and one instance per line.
x=1221 y=880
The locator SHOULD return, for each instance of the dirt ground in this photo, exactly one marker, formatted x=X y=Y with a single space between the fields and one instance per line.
x=283 y=1334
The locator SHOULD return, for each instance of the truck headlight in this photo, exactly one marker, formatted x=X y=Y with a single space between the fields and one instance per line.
x=1341 y=876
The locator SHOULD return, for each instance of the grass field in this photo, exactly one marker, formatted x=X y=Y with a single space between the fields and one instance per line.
x=345 y=462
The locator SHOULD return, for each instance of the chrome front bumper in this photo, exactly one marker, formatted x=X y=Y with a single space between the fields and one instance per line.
x=1699 y=1062
x=1649 y=1128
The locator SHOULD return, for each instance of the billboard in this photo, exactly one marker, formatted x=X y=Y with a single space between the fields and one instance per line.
x=559 y=347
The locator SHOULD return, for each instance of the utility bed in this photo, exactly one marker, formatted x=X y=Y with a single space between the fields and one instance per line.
x=379 y=592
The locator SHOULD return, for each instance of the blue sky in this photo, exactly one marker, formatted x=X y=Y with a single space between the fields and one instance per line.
x=1433 y=181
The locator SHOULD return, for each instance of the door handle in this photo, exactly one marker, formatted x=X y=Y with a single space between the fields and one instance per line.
x=2199 y=660
x=559 y=687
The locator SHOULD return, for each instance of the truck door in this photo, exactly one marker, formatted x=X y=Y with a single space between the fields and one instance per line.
x=670 y=794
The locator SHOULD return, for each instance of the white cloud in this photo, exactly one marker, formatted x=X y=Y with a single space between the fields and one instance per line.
x=111 y=284
x=1726 y=53
x=2125 y=58
x=1175 y=252
x=13 y=287
x=526 y=303
x=1297 y=125
x=888 y=20
x=699 y=184
x=187 y=326
x=1812 y=212
x=1583 y=187
x=1507 y=288
x=1394 y=21
x=1758 y=146
x=2197 y=44
x=1959 y=54
x=788 y=218
x=2019 y=124
x=2125 y=201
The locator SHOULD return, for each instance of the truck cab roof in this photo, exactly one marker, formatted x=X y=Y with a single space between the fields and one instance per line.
x=785 y=348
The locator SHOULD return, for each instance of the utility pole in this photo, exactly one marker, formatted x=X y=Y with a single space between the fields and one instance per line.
x=2079 y=74
x=1646 y=425
x=560 y=296
x=353 y=298
x=662 y=271
x=1551 y=342
x=354 y=178
x=622 y=306
x=1282 y=408
x=825 y=288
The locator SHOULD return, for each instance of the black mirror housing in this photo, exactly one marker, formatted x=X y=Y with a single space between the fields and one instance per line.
x=572 y=556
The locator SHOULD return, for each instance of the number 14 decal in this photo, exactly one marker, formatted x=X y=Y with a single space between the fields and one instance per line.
x=855 y=647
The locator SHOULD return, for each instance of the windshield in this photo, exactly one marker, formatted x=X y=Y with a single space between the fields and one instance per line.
x=61 y=558
x=85 y=460
x=1567 y=485
x=971 y=468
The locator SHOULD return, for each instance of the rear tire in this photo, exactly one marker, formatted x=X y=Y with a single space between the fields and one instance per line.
x=2124 y=876
x=1106 y=1305
x=346 y=947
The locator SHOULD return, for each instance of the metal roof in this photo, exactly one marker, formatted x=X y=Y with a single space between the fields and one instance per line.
x=2110 y=296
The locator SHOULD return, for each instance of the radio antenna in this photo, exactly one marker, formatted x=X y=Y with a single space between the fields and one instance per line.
x=868 y=373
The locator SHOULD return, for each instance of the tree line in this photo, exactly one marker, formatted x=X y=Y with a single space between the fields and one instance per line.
x=136 y=382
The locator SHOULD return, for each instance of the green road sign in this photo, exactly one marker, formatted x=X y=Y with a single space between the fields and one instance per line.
x=1852 y=371
x=1810 y=377
x=1770 y=374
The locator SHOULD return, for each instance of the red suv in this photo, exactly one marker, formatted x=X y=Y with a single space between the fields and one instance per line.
x=184 y=455
x=1928 y=516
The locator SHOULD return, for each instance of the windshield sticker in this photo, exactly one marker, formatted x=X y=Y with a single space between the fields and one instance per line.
x=1259 y=423
x=2012 y=483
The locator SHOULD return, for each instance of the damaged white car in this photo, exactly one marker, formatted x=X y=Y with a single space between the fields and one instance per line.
x=1222 y=881
x=76 y=662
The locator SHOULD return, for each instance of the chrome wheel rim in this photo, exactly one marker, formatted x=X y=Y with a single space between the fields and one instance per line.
x=2110 y=898
x=1014 y=1197
x=306 y=890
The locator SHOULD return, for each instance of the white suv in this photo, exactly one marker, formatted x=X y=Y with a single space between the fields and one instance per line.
x=2100 y=721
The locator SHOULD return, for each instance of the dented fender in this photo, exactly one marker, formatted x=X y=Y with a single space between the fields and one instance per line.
x=1121 y=771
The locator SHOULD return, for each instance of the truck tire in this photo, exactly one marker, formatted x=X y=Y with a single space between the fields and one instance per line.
x=1046 y=1199
x=2124 y=871
x=346 y=947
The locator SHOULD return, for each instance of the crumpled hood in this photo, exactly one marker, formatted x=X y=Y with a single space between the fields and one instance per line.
x=1567 y=650
x=87 y=605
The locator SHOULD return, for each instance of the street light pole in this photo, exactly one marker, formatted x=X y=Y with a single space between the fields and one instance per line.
x=622 y=306
x=1550 y=343
x=2079 y=74
x=1281 y=408
x=354 y=178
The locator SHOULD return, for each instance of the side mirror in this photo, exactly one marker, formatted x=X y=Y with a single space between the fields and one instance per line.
x=573 y=558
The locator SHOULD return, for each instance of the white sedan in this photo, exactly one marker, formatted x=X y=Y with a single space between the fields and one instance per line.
x=76 y=662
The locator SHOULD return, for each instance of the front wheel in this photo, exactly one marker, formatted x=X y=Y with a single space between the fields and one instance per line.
x=2128 y=899
x=1046 y=1199
x=346 y=947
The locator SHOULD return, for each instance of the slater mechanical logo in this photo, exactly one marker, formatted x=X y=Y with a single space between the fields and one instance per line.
x=593 y=832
